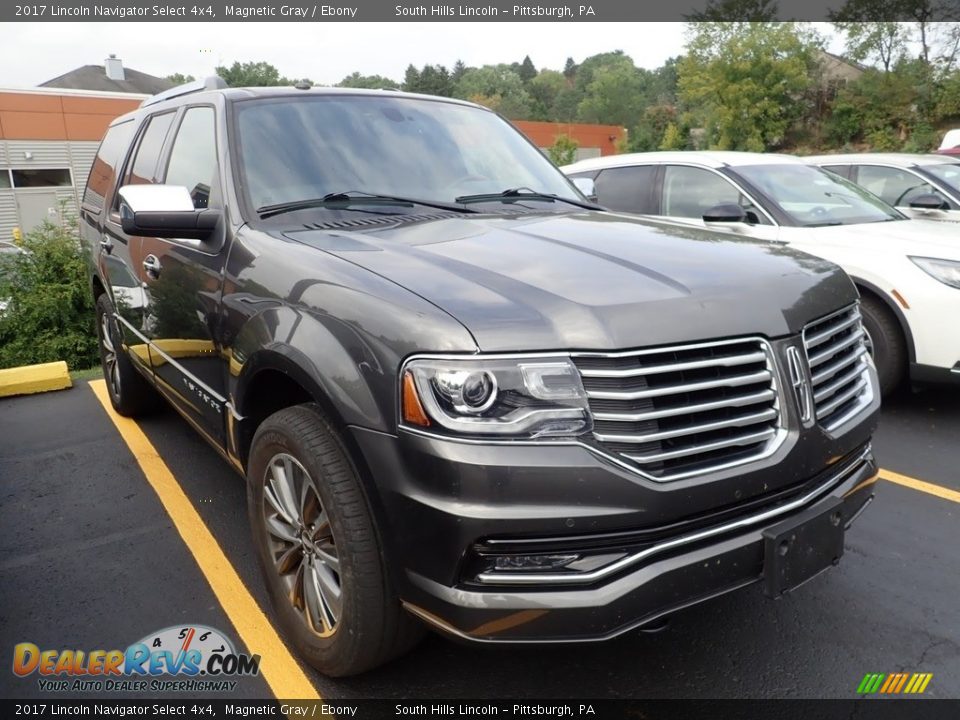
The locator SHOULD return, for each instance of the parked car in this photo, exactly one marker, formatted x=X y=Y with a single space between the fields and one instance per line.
x=950 y=145
x=461 y=395
x=907 y=272
x=921 y=186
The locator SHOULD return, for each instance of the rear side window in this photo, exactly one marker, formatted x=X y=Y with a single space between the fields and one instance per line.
x=627 y=189
x=689 y=192
x=144 y=168
x=110 y=155
x=841 y=170
x=193 y=159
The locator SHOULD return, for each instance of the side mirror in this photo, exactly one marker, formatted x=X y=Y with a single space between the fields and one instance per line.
x=725 y=213
x=928 y=201
x=164 y=211
x=586 y=186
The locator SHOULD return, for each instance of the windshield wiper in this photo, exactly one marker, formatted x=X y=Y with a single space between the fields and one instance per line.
x=354 y=197
x=523 y=193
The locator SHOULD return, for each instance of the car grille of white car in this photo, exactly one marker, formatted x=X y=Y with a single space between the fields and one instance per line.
x=684 y=410
x=837 y=356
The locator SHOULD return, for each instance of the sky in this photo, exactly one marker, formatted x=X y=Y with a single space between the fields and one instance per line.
x=323 y=52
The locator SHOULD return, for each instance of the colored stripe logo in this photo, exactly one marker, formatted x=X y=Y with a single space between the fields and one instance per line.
x=894 y=683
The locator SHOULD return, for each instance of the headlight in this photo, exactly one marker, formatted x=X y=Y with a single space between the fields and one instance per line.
x=946 y=271
x=519 y=398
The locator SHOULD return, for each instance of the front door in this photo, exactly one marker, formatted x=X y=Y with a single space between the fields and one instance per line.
x=183 y=279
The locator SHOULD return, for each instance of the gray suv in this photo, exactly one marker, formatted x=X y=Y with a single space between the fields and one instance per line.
x=461 y=395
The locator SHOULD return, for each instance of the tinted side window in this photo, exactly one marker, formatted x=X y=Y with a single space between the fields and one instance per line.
x=841 y=170
x=627 y=189
x=144 y=168
x=110 y=154
x=193 y=159
x=892 y=185
x=689 y=192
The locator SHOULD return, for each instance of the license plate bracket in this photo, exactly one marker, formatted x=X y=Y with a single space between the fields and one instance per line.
x=803 y=546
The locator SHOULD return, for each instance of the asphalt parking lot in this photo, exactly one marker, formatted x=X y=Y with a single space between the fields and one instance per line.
x=90 y=557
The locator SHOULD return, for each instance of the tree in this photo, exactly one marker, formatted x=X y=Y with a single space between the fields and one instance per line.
x=252 y=74
x=527 y=71
x=748 y=89
x=544 y=90
x=459 y=68
x=497 y=87
x=569 y=69
x=180 y=78
x=372 y=82
x=563 y=151
x=736 y=11
x=431 y=80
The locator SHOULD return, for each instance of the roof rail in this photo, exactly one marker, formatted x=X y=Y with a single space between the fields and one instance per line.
x=214 y=82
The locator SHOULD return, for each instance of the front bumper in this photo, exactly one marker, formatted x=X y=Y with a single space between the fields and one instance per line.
x=458 y=504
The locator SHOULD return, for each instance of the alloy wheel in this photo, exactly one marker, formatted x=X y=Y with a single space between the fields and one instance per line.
x=110 y=364
x=301 y=543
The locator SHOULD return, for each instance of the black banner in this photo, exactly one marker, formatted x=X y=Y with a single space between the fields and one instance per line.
x=874 y=709
x=473 y=11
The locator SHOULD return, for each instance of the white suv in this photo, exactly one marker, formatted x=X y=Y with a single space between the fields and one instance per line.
x=921 y=186
x=907 y=271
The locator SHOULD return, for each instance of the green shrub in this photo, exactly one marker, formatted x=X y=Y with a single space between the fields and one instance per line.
x=50 y=312
x=564 y=150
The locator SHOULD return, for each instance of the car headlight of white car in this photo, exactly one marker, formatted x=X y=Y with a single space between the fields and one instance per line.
x=946 y=271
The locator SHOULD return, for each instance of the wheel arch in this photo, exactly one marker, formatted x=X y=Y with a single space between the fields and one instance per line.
x=865 y=287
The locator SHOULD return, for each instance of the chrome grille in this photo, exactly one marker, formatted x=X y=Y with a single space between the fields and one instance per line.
x=678 y=411
x=837 y=356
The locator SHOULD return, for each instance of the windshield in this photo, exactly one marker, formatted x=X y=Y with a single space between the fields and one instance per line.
x=812 y=197
x=947 y=173
x=295 y=149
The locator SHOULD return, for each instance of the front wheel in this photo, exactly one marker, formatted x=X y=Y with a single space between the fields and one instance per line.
x=318 y=547
x=885 y=342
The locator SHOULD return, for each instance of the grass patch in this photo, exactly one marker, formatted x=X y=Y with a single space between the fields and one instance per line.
x=88 y=374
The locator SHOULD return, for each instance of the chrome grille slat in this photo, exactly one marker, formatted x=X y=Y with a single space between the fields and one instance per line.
x=832 y=387
x=739 y=401
x=828 y=371
x=720 y=444
x=740 y=421
x=684 y=410
x=819 y=337
x=735 y=381
x=824 y=355
x=730 y=361
x=839 y=367
x=840 y=399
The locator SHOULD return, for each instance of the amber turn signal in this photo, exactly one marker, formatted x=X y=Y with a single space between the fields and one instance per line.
x=413 y=411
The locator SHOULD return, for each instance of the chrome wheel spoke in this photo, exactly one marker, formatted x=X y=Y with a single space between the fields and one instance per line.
x=281 y=529
x=320 y=614
x=288 y=560
x=281 y=482
x=328 y=554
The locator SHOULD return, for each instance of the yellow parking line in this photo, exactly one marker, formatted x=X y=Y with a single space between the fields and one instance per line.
x=278 y=667
x=921 y=485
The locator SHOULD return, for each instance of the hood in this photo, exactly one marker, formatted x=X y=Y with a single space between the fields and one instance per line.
x=925 y=238
x=593 y=280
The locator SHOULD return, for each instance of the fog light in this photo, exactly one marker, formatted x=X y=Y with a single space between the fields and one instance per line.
x=533 y=563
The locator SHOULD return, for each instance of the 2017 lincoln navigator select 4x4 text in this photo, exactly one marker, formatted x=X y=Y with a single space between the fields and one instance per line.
x=461 y=395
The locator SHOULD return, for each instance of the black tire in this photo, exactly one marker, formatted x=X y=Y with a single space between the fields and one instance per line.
x=886 y=343
x=130 y=393
x=369 y=625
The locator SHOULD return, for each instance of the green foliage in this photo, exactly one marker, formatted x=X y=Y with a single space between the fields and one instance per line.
x=499 y=88
x=885 y=42
x=252 y=74
x=883 y=140
x=746 y=84
x=527 y=71
x=923 y=139
x=673 y=139
x=431 y=80
x=50 y=313
x=370 y=82
x=564 y=150
x=180 y=78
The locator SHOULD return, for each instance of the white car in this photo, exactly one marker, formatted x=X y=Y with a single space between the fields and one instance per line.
x=907 y=271
x=921 y=186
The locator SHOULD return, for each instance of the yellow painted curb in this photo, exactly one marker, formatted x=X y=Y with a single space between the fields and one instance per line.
x=34 y=379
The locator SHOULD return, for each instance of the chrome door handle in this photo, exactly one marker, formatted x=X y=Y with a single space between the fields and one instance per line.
x=106 y=244
x=151 y=264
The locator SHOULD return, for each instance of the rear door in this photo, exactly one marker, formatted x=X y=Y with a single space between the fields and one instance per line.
x=184 y=279
x=899 y=186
